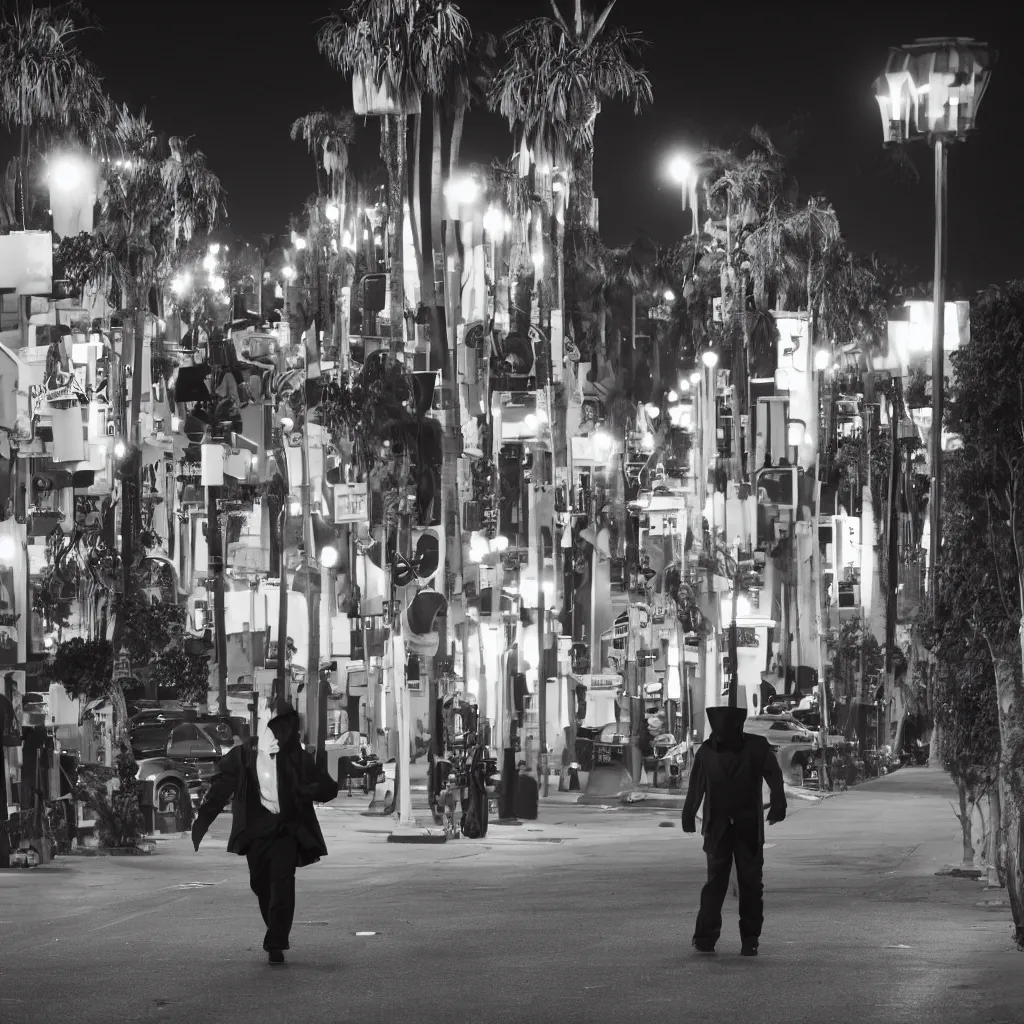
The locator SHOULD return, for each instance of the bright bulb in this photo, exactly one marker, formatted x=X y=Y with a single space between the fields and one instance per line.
x=300 y=244
x=255 y=462
x=209 y=261
x=66 y=173
x=215 y=248
x=501 y=542
x=287 y=273
x=181 y=284
x=287 y=423
x=295 y=508
x=332 y=213
x=652 y=410
x=8 y=549
x=695 y=377
x=709 y=359
x=346 y=241
x=494 y=222
x=821 y=359
x=463 y=191
x=329 y=557
x=673 y=396
x=648 y=442
x=119 y=449
x=680 y=168
x=217 y=283
x=670 y=296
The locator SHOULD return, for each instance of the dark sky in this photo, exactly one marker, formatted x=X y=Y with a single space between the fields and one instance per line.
x=234 y=75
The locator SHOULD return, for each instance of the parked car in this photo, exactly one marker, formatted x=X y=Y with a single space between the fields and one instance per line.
x=779 y=728
x=150 y=729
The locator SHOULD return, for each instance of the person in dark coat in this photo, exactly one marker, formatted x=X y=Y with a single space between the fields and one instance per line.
x=727 y=775
x=272 y=784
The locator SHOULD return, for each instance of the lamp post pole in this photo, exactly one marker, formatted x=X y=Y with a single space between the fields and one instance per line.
x=938 y=363
x=931 y=89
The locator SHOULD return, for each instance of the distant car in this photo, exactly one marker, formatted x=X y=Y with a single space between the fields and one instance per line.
x=199 y=743
x=150 y=729
x=794 y=744
x=780 y=728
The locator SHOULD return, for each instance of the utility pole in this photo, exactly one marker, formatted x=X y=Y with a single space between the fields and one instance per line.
x=216 y=560
x=281 y=681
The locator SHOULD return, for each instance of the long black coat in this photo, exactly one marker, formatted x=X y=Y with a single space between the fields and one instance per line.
x=730 y=788
x=236 y=781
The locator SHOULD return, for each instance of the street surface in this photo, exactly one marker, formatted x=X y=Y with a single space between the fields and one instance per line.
x=583 y=916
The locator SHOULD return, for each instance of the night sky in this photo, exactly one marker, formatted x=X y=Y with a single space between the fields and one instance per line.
x=234 y=75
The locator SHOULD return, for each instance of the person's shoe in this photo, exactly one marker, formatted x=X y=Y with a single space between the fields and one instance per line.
x=275 y=956
x=703 y=946
x=749 y=949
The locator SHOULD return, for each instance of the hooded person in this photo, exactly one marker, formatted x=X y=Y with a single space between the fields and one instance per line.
x=272 y=784
x=727 y=775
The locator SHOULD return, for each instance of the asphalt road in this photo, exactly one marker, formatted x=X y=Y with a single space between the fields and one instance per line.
x=585 y=915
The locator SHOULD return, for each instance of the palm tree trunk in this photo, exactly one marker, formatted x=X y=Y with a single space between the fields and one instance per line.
x=395 y=127
x=456 y=142
x=415 y=220
x=1006 y=661
x=439 y=320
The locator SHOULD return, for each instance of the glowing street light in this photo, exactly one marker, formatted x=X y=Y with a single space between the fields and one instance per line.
x=680 y=168
x=464 y=190
x=67 y=172
x=332 y=213
x=209 y=262
x=709 y=359
x=120 y=450
x=822 y=358
x=670 y=296
x=673 y=396
x=652 y=410
x=494 y=222
x=695 y=377
x=288 y=273
x=8 y=549
x=931 y=90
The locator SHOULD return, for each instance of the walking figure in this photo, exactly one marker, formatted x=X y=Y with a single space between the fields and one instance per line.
x=272 y=784
x=727 y=775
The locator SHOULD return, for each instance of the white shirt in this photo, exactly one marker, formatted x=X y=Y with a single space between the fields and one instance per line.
x=266 y=771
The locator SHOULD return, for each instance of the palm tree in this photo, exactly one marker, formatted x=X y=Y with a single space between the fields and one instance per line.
x=45 y=84
x=406 y=47
x=555 y=78
x=155 y=195
x=328 y=135
x=556 y=74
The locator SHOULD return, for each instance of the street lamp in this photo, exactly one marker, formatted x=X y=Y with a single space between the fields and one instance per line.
x=682 y=171
x=931 y=89
x=709 y=359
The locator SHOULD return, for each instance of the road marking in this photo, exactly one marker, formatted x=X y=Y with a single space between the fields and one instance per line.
x=138 y=913
x=364 y=935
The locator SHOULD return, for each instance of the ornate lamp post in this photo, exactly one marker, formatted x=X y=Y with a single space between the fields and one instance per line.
x=931 y=90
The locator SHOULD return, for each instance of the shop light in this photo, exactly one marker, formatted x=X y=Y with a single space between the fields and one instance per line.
x=120 y=450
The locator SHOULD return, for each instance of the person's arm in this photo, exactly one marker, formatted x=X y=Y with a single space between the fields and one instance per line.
x=222 y=789
x=323 y=788
x=772 y=774
x=694 y=793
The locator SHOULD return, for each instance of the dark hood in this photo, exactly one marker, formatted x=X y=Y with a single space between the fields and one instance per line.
x=285 y=725
x=727 y=724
